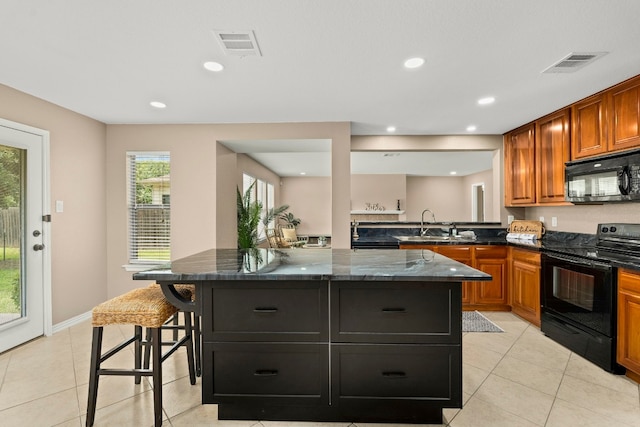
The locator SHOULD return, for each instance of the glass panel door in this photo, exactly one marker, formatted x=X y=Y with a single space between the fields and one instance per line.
x=22 y=234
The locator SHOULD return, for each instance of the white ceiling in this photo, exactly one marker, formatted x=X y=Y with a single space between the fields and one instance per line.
x=330 y=60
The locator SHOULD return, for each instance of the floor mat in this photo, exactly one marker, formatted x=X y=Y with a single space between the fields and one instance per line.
x=473 y=321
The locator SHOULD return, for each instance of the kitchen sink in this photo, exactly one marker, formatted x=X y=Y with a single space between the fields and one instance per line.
x=427 y=238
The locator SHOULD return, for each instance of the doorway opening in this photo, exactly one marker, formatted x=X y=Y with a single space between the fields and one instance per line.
x=477 y=202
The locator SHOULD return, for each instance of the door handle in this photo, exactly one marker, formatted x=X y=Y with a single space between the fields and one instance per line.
x=38 y=247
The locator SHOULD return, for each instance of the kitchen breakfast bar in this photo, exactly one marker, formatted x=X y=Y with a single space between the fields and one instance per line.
x=326 y=334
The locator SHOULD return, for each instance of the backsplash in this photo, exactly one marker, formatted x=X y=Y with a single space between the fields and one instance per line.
x=584 y=218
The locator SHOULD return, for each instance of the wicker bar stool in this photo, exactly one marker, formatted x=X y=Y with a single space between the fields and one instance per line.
x=144 y=307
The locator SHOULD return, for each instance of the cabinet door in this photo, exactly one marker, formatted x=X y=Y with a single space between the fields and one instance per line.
x=495 y=291
x=270 y=372
x=259 y=311
x=394 y=312
x=464 y=255
x=525 y=285
x=589 y=133
x=552 y=151
x=519 y=177
x=628 y=351
x=624 y=115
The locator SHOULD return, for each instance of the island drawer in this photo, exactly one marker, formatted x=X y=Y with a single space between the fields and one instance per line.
x=266 y=311
x=395 y=312
x=267 y=371
x=396 y=371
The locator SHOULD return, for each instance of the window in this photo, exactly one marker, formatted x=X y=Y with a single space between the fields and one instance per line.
x=263 y=192
x=148 y=199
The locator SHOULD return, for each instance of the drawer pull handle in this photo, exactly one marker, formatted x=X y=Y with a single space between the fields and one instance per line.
x=394 y=310
x=265 y=309
x=394 y=374
x=266 y=372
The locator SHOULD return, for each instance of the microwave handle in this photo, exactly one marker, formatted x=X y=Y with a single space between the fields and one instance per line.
x=624 y=180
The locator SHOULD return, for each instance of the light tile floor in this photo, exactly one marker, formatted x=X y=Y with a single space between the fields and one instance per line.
x=515 y=378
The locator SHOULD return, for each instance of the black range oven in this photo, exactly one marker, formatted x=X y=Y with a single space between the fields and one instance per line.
x=578 y=306
x=579 y=294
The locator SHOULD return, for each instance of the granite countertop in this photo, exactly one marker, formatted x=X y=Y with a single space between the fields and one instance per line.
x=315 y=264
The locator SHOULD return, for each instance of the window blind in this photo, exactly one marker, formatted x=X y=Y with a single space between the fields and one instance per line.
x=149 y=207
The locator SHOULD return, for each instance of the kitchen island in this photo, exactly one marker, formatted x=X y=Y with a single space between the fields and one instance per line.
x=326 y=335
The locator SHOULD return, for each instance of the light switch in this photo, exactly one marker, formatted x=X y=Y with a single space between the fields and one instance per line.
x=554 y=221
x=510 y=219
x=59 y=206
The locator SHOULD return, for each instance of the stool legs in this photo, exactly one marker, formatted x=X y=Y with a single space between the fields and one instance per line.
x=197 y=343
x=154 y=343
x=192 y=332
x=96 y=349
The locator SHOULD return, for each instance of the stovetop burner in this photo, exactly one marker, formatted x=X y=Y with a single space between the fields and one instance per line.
x=618 y=242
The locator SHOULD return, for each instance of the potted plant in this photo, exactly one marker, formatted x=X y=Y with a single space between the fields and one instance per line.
x=290 y=219
x=249 y=213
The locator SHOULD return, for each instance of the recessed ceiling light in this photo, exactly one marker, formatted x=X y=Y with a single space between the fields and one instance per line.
x=158 y=104
x=471 y=128
x=303 y=173
x=391 y=129
x=453 y=173
x=414 y=62
x=486 y=101
x=213 y=66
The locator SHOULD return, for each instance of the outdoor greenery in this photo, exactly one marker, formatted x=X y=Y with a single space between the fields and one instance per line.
x=10 y=173
x=148 y=169
x=10 y=281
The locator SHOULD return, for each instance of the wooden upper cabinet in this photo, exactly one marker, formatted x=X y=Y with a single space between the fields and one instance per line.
x=519 y=165
x=589 y=133
x=552 y=151
x=624 y=115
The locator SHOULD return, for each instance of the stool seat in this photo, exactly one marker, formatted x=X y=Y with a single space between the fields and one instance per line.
x=145 y=307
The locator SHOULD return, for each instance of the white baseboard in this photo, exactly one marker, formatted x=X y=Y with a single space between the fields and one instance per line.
x=72 y=322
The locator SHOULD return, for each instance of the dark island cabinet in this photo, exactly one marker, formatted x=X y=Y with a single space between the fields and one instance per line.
x=321 y=350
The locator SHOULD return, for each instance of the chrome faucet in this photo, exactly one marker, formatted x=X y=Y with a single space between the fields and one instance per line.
x=423 y=230
x=453 y=230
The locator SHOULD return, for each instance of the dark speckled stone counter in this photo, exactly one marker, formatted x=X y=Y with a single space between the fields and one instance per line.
x=314 y=264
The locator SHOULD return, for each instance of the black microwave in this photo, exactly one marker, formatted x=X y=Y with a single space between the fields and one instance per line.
x=609 y=178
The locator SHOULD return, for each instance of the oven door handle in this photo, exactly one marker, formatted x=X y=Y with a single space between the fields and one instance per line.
x=580 y=261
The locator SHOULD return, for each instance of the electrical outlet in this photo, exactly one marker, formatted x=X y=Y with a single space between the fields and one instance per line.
x=59 y=206
x=541 y=219
x=554 y=221
x=510 y=219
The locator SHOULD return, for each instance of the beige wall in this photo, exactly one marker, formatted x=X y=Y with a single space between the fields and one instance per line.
x=440 y=194
x=309 y=198
x=385 y=190
x=78 y=235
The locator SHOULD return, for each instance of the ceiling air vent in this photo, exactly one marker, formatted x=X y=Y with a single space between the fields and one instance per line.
x=241 y=43
x=573 y=62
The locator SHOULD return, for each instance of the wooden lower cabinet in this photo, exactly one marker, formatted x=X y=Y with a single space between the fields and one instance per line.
x=628 y=347
x=491 y=259
x=524 y=286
